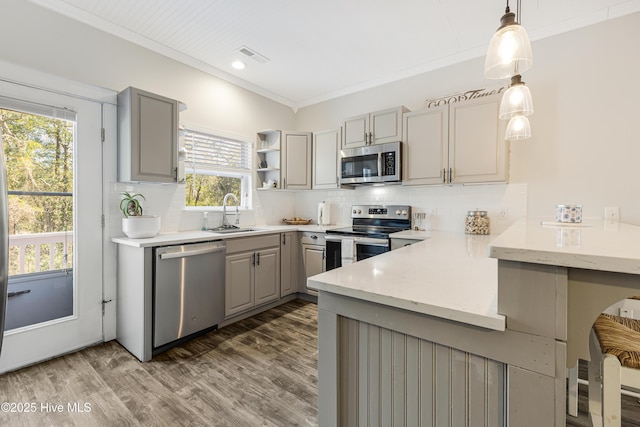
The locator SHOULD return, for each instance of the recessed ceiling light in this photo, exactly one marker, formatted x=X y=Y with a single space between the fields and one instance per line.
x=238 y=65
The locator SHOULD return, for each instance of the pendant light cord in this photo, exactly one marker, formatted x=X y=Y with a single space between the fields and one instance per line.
x=519 y=15
x=518 y=18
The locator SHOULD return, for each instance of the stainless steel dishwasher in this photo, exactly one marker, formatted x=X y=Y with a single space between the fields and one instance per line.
x=188 y=292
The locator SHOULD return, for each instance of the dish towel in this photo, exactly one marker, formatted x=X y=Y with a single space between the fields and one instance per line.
x=348 y=251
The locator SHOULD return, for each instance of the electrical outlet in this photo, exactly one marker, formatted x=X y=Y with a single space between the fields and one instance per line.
x=504 y=212
x=612 y=213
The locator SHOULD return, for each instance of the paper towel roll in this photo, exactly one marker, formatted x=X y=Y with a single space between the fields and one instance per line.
x=324 y=213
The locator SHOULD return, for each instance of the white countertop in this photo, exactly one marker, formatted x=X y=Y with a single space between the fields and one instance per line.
x=411 y=234
x=448 y=275
x=181 y=237
x=594 y=245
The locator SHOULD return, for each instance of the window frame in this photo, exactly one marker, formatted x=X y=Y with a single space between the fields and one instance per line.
x=246 y=178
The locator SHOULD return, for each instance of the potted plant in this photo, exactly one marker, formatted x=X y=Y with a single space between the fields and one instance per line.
x=134 y=224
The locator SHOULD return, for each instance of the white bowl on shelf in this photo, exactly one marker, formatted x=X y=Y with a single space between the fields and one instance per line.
x=141 y=227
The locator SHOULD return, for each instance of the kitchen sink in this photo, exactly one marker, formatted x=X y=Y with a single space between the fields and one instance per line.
x=226 y=230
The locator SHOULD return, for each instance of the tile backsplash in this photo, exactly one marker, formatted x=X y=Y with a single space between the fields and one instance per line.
x=445 y=206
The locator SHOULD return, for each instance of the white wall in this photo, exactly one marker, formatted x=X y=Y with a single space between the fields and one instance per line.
x=585 y=146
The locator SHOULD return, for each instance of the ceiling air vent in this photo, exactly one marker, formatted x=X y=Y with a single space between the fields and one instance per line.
x=252 y=54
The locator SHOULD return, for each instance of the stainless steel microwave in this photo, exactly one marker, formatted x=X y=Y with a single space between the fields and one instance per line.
x=371 y=164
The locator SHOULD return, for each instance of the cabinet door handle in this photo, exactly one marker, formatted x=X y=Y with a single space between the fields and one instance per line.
x=313 y=236
x=284 y=183
x=450 y=174
x=370 y=138
x=324 y=254
x=253 y=259
x=444 y=175
x=258 y=258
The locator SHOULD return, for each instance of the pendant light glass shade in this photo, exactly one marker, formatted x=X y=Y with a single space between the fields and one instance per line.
x=518 y=128
x=509 y=50
x=516 y=100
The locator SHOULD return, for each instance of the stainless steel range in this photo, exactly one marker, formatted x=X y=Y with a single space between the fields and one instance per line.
x=369 y=234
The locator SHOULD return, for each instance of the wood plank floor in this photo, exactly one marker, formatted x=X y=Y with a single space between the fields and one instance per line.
x=630 y=405
x=261 y=371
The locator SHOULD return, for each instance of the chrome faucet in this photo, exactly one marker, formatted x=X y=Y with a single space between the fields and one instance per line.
x=225 y=221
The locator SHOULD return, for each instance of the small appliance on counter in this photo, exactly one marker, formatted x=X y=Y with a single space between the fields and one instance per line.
x=324 y=213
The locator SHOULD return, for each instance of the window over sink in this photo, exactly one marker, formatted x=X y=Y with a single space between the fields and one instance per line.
x=214 y=166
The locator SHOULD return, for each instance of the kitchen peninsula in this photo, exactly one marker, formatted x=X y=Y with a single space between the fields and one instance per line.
x=476 y=329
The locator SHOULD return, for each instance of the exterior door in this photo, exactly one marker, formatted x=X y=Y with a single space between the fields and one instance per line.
x=83 y=326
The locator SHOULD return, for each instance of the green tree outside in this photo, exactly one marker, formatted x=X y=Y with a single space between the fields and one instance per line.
x=39 y=158
x=208 y=190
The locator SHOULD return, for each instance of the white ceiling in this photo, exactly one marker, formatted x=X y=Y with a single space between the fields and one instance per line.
x=322 y=49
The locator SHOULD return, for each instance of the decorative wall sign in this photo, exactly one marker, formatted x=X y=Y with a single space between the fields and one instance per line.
x=464 y=96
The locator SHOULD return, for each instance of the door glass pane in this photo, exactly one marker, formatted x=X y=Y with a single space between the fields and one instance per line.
x=39 y=158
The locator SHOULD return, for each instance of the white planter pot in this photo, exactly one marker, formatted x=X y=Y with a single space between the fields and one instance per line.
x=141 y=227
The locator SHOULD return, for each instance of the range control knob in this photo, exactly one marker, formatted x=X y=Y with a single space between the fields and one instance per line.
x=354 y=211
x=359 y=211
x=404 y=212
x=398 y=212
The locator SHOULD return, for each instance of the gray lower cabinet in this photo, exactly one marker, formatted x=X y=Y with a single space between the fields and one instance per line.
x=313 y=247
x=313 y=261
x=252 y=272
x=288 y=263
x=147 y=137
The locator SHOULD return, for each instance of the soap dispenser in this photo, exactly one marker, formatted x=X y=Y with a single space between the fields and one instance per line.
x=205 y=221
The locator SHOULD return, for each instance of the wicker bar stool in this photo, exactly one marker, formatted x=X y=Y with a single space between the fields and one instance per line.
x=615 y=353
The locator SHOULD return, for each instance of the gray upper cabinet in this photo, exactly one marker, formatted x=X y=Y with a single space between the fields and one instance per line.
x=284 y=157
x=147 y=137
x=326 y=145
x=296 y=160
x=426 y=146
x=478 y=151
x=458 y=143
x=378 y=127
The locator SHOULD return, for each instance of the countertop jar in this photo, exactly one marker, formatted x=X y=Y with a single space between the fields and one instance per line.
x=476 y=222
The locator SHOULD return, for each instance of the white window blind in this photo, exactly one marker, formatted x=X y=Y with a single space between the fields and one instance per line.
x=210 y=153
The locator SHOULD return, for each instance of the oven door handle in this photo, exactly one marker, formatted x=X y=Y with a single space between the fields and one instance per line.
x=372 y=242
x=360 y=240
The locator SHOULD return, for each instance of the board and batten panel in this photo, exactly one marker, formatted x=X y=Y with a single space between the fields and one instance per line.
x=387 y=378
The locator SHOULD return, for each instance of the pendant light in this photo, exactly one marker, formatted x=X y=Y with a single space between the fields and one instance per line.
x=518 y=128
x=516 y=100
x=509 y=49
